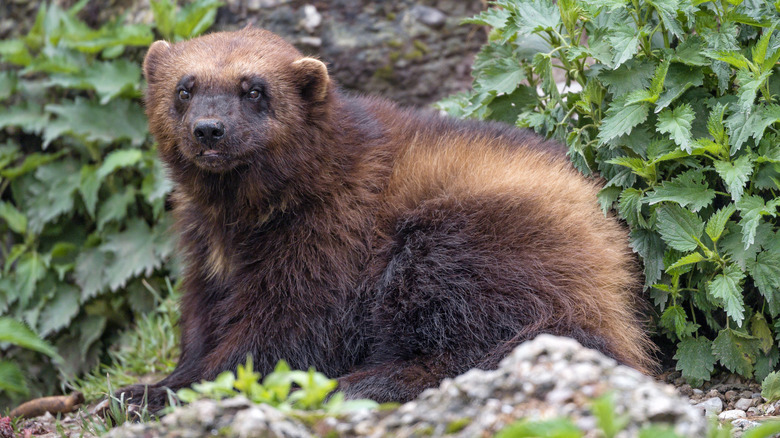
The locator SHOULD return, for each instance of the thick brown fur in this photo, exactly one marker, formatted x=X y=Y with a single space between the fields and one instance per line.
x=386 y=247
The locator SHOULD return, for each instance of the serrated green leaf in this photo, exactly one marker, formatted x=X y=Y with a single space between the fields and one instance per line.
x=770 y=387
x=689 y=189
x=679 y=228
x=117 y=35
x=502 y=76
x=88 y=187
x=740 y=128
x=677 y=123
x=632 y=75
x=492 y=17
x=735 y=174
x=678 y=79
x=119 y=159
x=91 y=329
x=766 y=363
x=156 y=184
x=726 y=288
x=760 y=119
x=621 y=120
x=630 y=206
x=115 y=207
x=12 y=379
x=96 y=123
x=732 y=245
x=531 y=16
x=30 y=269
x=687 y=260
x=624 y=41
x=134 y=253
x=30 y=163
x=194 y=18
x=715 y=124
x=542 y=64
x=27 y=115
x=761 y=331
x=717 y=222
x=769 y=149
x=108 y=79
x=15 y=220
x=752 y=208
x=695 y=359
x=637 y=165
x=736 y=351
x=732 y=57
x=90 y=273
x=52 y=193
x=749 y=83
x=60 y=311
x=607 y=196
x=759 y=50
x=650 y=248
x=674 y=320
x=16 y=333
x=667 y=10
x=691 y=52
x=765 y=271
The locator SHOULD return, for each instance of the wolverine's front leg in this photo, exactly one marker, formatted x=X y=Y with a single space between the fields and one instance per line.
x=197 y=333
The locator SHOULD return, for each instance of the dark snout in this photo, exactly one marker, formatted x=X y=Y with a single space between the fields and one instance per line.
x=208 y=132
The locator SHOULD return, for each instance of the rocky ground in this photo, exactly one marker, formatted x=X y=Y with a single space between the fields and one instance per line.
x=545 y=378
x=731 y=398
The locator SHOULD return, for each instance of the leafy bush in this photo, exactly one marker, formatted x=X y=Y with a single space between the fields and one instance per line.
x=673 y=103
x=313 y=389
x=82 y=194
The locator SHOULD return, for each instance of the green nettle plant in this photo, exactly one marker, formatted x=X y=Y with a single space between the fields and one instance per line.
x=313 y=390
x=82 y=194
x=674 y=104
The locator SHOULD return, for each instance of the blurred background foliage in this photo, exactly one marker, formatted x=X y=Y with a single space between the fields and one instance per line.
x=86 y=246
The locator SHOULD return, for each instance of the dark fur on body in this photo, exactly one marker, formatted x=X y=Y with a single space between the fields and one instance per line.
x=387 y=247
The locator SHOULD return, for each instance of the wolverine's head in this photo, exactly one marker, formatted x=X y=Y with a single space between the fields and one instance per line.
x=227 y=99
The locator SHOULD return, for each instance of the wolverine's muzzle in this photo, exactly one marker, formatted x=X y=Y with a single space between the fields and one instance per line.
x=208 y=132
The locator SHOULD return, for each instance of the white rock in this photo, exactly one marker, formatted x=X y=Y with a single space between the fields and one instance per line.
x=744 y=424
x=429 y=16
x=711 y=406
x=311 y=18
x=732 y=414
x=743 y=404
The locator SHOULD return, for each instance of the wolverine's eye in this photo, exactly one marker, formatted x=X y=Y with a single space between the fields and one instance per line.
x=254 y=94
x=184 y=94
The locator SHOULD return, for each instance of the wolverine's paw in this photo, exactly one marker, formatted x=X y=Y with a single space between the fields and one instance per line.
x=134 y=403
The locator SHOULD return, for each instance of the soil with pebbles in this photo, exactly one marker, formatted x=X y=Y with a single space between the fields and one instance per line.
x=732 y=398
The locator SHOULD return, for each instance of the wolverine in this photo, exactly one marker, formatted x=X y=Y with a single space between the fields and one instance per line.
x=386 y=247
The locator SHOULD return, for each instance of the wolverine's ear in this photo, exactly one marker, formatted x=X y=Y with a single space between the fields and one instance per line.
x=154 y=56
x=312 y=79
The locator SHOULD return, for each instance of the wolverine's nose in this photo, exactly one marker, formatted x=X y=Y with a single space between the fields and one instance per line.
x=208 y=131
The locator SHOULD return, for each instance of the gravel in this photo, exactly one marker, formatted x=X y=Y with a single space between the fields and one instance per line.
x=544 y=378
